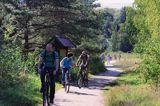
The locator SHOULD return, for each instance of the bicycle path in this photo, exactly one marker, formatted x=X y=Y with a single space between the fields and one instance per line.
x=92 y=96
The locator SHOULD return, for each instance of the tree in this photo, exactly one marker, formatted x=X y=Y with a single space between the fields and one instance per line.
x=36 y=22
x=147 y=21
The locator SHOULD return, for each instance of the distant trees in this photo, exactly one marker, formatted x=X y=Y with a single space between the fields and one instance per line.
x=124 y=35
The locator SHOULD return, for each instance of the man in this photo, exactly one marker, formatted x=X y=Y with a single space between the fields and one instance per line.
x=66 y=64
x=50 y=60
x=82 y=62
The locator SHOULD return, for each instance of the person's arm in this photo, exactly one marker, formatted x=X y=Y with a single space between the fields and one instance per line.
x=62 y=62
x=56 y=63
x=88 y=57
x=40 y=61
x=79 y=58
x=72 y=63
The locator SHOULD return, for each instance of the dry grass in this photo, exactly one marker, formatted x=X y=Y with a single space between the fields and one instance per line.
x=131 y=91
x=128 y=61
x=132 y=96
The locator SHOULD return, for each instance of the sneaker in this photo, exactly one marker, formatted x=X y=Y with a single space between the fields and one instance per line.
x=63 y=86
x=52 y=103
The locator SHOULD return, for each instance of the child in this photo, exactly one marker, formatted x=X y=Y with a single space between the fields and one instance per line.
x=66 y=64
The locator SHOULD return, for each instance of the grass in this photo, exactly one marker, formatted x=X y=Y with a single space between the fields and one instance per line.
x=130 y=89
x=24 y=95
x=128 y=61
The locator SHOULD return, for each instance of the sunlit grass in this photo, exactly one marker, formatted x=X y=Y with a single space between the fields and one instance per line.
x=130 y=89
x=128 y=61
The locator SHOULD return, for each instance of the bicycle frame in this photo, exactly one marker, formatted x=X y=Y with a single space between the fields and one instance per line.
x=83 y=79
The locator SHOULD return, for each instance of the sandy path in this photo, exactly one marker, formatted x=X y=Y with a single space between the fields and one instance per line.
x=92 y=96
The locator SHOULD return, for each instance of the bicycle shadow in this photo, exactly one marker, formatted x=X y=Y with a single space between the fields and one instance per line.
x=80 y=93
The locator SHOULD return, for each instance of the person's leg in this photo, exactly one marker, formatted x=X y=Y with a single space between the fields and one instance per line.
x=42 y=76
x=52 y=86
x=79 y=72
x=86 y=73
x=63 y=76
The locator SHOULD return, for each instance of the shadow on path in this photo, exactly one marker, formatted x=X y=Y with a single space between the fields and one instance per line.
x=80 y=93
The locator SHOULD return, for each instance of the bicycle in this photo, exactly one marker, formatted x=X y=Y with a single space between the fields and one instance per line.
x=83 y=79
x=67 y=82
x=46 y=91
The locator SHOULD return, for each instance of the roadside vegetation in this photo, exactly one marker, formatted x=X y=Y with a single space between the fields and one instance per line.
x=130 y=88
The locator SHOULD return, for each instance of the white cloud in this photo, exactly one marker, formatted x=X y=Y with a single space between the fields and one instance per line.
x=115 y=3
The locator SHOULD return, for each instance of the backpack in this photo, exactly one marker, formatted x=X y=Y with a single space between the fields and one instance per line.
x=44 y=58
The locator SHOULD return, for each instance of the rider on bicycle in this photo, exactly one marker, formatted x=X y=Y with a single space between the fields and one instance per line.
x=66 y=64
x=50 y=60
x=83 y=62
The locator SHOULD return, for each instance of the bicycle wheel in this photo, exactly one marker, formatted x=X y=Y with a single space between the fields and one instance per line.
x=45 y=97
x=80 y=82
x=85 y=80
x=67 y=83
x=47 y=93
x=67 y=88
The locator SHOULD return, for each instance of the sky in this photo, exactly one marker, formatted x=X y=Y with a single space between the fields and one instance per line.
x=118 y=4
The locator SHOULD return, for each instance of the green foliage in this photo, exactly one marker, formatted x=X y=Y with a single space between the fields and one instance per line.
x=35 y=22
x=147 y=22
x=124 y=35
x=96 y=66
x=150 y=67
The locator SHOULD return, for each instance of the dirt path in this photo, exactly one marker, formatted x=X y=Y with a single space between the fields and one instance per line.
x=92 y=96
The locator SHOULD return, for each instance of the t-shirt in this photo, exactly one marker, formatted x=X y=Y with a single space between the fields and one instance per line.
x=49 y=59
x=84 y=59
x=66 y=63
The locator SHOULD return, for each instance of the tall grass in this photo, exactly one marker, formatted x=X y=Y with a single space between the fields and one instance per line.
x=130 y=96
x=130 y=89
x=128 y=61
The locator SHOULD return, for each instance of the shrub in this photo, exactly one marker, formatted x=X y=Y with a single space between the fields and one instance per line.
x=18 y=85
x=96 y=65
x=150 y=67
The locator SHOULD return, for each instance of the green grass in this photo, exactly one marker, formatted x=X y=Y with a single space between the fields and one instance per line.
x=23 y=95
x=130 y=89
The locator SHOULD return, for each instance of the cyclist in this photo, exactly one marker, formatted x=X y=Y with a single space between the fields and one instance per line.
x=66 y=64
x=50 y=60
x=83 y=60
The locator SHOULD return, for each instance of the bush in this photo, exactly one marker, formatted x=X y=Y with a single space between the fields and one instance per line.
x=150 y=67
x=19 y=86
x=96 y=65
